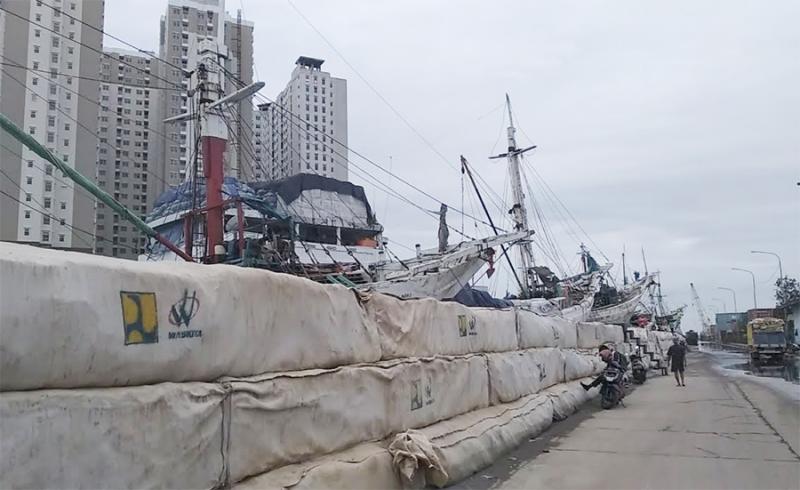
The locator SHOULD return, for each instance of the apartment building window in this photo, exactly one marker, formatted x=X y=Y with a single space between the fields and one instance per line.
x=55 y=42
x=46 y=220
x=29 y=180
x=66 y=142
x=30 y=163
x=51 y=137
x=54 y=57
x=38 y=17
x=45 y=236
x=52 y=89
x=35 y=48
x=32 y=130
x=26 y=231
x=48 y=186
x=48 y=169
x=35 y=81
x=61 y=237
x=47 y=202
x=33 y=114
x=27 y=215
x=69 y=65
x=70 y=50
x=63 y=205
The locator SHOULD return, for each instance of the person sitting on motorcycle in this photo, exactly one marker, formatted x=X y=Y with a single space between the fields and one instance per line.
x=612 y=359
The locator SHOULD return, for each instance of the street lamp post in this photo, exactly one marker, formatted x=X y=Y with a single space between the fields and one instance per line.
x=755 y=301
x=733 y=292
x=780 y=266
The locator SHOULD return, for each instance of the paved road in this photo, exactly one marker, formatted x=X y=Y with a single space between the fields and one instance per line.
x=718 y=432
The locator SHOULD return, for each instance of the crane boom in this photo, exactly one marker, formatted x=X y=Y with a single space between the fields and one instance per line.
x=701 y=312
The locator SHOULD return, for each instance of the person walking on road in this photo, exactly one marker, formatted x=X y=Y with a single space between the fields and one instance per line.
x=676 y=355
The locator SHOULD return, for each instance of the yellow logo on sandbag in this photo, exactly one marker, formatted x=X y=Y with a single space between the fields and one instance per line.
x=139 y=317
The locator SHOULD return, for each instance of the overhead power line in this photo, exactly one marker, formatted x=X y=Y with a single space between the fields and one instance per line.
x=82 y=126
x=91 y=48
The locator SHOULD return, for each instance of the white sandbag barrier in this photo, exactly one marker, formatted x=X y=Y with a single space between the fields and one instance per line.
x=440 y=454
x=594 y=334
x=472 y=441
x=581 y=364
x=78 y=320
x=291 y=417
x=163 y=436
x=567 y=398
x=367 y=465
x=513 y=375
x=427 y=327
x=545 y=331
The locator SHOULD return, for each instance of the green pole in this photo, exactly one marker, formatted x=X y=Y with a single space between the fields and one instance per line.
x=87 y=184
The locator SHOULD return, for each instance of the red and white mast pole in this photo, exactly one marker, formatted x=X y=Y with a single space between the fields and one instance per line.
x=214 y=137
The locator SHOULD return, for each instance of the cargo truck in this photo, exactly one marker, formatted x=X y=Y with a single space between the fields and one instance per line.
x=766 y=340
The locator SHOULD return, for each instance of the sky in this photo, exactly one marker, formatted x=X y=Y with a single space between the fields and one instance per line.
x=670 y=126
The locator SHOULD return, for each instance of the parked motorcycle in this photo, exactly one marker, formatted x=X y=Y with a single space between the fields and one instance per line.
x=638 y=368
x=611 y=391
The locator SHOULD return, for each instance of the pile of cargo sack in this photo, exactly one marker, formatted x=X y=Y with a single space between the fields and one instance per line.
x=117 y=374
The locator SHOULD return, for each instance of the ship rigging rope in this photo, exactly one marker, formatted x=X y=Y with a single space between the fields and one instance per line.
x=178 y=87
x=558 y=200
x=383 y=99
x=546 y=236
x=374 y=180
x=547 y=188
x=255 y=160
x=355 y=152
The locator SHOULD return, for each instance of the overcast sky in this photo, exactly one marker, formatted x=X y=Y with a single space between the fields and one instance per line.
x=672 y=125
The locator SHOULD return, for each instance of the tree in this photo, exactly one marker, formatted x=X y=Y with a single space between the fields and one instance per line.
x=787 y=292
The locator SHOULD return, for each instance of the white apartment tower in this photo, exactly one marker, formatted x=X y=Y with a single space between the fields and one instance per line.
x=305 y=130
x=48 y=87
x=185 y=23
x=130 y=129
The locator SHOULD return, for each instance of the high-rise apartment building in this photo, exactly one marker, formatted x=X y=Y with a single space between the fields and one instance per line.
x=185 y=23
x=305 y=130
x=130 y=128
x=48 y=87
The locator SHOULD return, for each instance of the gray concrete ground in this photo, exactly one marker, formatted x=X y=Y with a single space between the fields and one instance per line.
x=717 y=432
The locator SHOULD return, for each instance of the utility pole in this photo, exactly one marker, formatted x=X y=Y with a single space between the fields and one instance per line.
x=780 y=266
x=733 y=292
x=755 y=301
x=518 y=210
x=214 y=135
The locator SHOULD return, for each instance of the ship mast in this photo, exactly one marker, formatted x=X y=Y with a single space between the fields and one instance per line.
x=211 y=99
x=519 y=212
